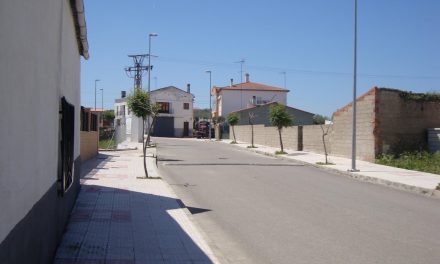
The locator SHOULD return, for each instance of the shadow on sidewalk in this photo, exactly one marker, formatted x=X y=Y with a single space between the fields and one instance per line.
x=110 y=225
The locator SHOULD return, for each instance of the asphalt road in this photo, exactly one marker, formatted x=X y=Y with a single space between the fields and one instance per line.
x=258 y=209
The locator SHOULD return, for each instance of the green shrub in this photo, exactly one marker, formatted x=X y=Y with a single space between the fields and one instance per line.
x=419 y=161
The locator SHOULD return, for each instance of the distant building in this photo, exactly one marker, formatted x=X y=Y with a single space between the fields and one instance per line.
x=261 y=113
x=175 y=117
x=244 y=95
x=41 y=47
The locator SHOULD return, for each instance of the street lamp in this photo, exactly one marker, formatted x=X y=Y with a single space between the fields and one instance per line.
x=149 y=72
x=353 y=138
x=102 y=107
x=97 y=80
x=149 y=56
x=210 y=107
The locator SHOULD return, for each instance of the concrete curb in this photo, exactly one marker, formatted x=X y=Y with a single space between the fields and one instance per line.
x=354 y=175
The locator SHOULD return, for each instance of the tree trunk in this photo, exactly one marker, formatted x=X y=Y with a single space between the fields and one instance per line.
x=144 y=146
x=281 y=140
x=151 y=128
x=233 y=133
x=252 y=135
x=323 y=142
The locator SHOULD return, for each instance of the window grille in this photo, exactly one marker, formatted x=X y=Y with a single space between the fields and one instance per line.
x=66 y=175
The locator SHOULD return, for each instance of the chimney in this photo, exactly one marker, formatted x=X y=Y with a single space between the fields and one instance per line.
x=188 y=88
x=247 y=77
x=123 y=94
x=232 y=82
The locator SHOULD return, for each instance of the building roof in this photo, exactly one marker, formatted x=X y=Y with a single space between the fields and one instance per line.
x=268 y=104
x=250 y=86
x=171 y=88
x=80 y=27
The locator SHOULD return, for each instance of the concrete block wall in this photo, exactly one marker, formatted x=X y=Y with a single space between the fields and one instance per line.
x=267 y=136
x=366 y=128
x=89 y=144
x=312 y=138
x=403 y=122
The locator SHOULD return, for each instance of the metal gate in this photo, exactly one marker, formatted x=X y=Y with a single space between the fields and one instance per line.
x=164 y=127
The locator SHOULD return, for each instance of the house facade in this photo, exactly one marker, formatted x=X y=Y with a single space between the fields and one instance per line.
x=175 y=117
x=244 y=95
x=41 y=45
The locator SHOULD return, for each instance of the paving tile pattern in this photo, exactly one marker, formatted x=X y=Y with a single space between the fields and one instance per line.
x=119 y=219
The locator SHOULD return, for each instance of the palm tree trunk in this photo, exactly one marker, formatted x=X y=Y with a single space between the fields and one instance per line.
x=281 y=140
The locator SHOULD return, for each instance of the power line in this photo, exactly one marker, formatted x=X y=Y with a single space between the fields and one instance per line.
x=295 y=70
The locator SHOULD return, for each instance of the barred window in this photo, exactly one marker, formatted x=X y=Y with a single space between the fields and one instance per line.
x=67 y=115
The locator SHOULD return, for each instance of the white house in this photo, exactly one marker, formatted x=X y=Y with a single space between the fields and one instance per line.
x=244 y=95
x=175 y=117
x=40 y=53
x=128 y=127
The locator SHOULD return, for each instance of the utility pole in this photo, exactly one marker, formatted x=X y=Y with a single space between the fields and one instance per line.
x=241 y=81
x=210 y=107
x=137 y=70
x=353 y=139
x=97 y=80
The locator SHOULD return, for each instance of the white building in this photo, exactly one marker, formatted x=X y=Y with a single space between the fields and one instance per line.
x=175 y=117
x=41 y=44
x=240 y=96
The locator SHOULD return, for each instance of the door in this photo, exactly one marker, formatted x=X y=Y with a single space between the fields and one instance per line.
x=164 y=127
x=186 y=129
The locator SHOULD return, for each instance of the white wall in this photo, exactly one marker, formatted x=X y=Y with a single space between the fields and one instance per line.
x=176 y=98
x=40 y=63
x=234 y=100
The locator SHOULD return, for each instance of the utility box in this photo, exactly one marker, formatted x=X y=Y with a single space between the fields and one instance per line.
x=434 y=139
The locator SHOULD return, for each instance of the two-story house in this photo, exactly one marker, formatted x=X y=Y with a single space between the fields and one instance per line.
x=174 y=120
x=176 y=112
x=244 y=95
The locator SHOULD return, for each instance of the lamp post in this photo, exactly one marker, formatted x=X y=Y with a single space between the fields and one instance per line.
x=353 y=138
x=97 y=80
x=149 y=72
x=102 y=106
x=149 y=57
x=210 y=107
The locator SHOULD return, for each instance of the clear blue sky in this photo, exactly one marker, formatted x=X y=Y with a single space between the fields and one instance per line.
x=399 y=46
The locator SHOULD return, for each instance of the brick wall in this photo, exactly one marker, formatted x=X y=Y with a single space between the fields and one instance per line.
x=88 y=144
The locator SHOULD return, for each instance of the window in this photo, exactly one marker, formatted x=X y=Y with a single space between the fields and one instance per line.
x=67 y=115
x=164 y=107
x=186 y=106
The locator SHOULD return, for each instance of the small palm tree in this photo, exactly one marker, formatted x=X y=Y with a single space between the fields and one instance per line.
x=233 y=119
x=280 y=118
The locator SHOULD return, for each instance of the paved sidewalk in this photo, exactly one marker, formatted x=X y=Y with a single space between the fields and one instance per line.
x=415 y=181
x=119 y=219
